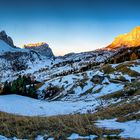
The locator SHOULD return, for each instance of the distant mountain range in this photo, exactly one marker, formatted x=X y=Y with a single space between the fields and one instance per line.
x=39 y=55
x=131 y=39
x=103 y=83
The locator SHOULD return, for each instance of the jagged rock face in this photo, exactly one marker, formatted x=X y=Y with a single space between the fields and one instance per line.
x=41 y=48
x=6 y=38
x=132 y=39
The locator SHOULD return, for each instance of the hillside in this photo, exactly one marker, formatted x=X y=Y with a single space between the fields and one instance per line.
x=5 y=47
x=14 y=60
x=117 y=96
x=78 y=95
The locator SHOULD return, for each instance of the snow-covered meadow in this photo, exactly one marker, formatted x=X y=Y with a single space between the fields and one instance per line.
x=26 y=106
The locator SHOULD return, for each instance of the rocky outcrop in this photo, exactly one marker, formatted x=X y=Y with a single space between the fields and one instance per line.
x=7 y=39
x=41 y=48
x=132 y=39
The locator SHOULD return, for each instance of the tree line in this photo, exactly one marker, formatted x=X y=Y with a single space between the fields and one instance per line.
x=23 y=85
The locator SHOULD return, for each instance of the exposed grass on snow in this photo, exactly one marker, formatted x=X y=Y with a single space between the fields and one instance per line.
x=129 y=117
x=119 y=110
x=108 y=69
x=65 y=125
x=123 y=93
x=30 y=127
x=122 y=67
x=116 y=95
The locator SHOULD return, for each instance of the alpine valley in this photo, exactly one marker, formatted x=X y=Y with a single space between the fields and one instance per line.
x=87 y=95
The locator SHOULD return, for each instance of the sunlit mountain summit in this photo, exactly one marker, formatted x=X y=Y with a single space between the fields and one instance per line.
x=131 y=39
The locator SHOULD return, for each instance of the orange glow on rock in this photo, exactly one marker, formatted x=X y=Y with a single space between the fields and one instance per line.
x=132 y=39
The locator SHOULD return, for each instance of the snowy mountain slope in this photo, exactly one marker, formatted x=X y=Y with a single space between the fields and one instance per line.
x=80 y=83
x=117 y=98
x=45 y=68
x=79 y=93
x=32 y=60
x=37 y=63
x=7 y=39
x=89 y=82
x=4 y=47
x=15 y=60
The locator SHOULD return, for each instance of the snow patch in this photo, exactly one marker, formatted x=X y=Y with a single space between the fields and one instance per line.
x=131 y=129
x=75 y=136
x=136 y=68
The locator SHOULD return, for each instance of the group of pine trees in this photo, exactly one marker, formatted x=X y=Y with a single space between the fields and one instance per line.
x=23 y=85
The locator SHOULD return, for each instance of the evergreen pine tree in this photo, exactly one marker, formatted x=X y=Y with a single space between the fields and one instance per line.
x=6 y=88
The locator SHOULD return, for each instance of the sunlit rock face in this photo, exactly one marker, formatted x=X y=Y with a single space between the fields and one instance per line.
x=42 y=48
x=7 y=39
x=132 y=39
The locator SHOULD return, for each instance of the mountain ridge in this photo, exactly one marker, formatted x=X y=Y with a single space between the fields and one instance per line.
x=41 y=48
x=130 y=39
x=7 y=39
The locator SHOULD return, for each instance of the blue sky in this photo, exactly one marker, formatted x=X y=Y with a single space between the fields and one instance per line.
x=68 y=25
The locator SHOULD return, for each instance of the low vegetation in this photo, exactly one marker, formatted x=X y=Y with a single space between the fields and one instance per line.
x=57 y=126
x=63 y=126
x=23 y=85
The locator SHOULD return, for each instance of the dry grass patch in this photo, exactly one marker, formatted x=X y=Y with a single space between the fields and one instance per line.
x=37 y=86
x=30 y=127
x=108 y=69
x=118 y=110
x=124 y=68
x=115 y=95
x=129 y=117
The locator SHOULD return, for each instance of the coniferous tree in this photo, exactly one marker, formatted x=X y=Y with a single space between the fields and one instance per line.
x=6 y=88
x=22 y=85
x=14 y=87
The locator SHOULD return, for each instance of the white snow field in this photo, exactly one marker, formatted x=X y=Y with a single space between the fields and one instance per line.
x=26 y=106
x=136 y=68
x=5 y=47
x=131 y=129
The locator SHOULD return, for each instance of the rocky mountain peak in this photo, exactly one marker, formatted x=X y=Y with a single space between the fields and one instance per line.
x=41 y=47
x=132 y=39
x=137 y=28
x=7 y=39
x=39 y=44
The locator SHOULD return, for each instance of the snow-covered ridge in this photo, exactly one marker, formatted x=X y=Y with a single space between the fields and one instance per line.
x=4 y=47
x=7 y=39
